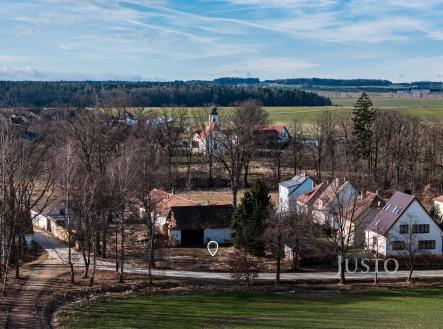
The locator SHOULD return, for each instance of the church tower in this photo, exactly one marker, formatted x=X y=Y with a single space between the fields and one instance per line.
x=213 y=117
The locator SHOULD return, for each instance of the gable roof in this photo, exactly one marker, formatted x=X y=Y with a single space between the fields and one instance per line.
x=164 y=201
x=391 y=212
x=201 y=216
x=362 y=204
x=295 y=181
x=309 y=198
x=330 y=193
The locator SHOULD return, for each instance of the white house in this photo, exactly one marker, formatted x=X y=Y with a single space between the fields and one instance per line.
x=290 y=190
x=403 y=223
x=338 y=195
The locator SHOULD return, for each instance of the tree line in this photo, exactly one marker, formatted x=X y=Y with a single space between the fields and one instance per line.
x=144 y=94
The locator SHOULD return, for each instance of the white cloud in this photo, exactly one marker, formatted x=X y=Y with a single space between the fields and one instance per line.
x=268 y=67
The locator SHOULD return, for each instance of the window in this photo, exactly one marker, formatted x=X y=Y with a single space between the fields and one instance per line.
x=420 y=228
x=404 y=229
x=426 y=244
x=395 y=209
x=398 y=245
x=374 y=242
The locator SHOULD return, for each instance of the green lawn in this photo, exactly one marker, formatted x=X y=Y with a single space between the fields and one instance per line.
x=384 y=309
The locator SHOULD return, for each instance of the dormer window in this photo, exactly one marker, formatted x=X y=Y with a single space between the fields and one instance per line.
x=387 y=206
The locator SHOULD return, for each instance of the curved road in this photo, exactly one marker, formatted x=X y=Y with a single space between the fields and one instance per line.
x=57 y=252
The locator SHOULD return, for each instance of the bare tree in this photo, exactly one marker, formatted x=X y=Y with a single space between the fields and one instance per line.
x=244 y=267
x=237 y=140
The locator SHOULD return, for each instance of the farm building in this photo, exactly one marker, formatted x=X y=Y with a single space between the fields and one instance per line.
x=198 y=224
x=403 y=224
x=290 y=190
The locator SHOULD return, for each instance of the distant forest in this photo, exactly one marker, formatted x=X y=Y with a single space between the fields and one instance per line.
x=142 y=94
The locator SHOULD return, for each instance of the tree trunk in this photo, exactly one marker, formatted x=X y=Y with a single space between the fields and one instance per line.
x=342 y=271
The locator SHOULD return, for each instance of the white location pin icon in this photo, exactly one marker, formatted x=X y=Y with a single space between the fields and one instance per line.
x=212 y=247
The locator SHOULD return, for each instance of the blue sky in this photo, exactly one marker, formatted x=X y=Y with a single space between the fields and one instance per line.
x=399 y=40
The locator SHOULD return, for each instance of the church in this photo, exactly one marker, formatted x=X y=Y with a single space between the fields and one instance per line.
x=207 y=140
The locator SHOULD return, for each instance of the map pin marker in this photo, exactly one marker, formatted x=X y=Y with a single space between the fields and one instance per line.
x=212 y=247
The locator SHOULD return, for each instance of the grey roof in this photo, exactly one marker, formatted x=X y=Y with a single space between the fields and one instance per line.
x=391 y=212
x=294 y=181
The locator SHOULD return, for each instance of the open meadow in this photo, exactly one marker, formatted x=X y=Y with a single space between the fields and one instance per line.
x=316 y=309
x=423 y=108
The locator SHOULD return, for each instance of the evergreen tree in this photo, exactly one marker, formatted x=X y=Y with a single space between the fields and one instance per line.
x=249 y=219
x=363 y=118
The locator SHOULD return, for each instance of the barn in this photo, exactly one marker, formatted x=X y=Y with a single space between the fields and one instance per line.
x=196 y=225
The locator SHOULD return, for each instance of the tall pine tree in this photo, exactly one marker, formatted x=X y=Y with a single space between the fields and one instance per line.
x=249 y=219
x=363 y=119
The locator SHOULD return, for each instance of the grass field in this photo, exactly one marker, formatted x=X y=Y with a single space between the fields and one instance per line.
x=331 y=309
x=423 y=108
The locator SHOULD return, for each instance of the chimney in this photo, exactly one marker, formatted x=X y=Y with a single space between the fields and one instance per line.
x=377 y=192
x=172 y=192
x=363 y=194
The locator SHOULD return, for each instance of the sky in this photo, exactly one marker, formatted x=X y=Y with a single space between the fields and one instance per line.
x=398 y=40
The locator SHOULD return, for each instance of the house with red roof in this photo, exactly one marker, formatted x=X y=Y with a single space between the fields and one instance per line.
x=306 y=200
x=273 y=134
x=403 y=223
x=338 y=195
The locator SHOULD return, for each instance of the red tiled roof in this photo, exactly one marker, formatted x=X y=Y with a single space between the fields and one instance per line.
x=164 y=201
x=387 y=217
x=277 y=128
x=309 y=197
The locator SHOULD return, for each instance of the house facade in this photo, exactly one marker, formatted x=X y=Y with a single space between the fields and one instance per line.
x=195 y=226
x=359 y=214
x=403 y=224
x=290 y=190
x=338 y=195
x=273 y=134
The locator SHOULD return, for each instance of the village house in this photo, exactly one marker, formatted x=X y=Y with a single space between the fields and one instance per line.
x=403 y=223
x=162 y=203
x=188 y=223
x=290 y=190
x=52 y=217
x=359 y=214
x=335 y=198
x=273 y=134
x=306 y=200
